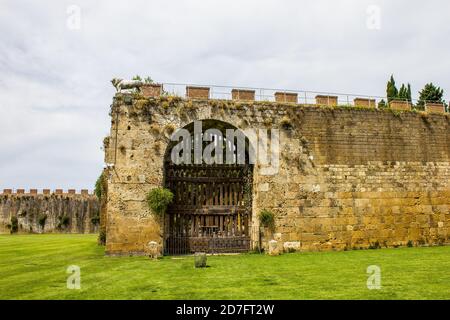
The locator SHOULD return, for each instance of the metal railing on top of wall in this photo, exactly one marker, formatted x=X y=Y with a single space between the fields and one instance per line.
x=296 y=96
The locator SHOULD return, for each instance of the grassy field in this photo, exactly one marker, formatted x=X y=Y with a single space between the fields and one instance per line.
x=34 y=267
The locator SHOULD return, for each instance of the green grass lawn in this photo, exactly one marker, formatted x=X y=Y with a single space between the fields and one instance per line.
x=34 y=267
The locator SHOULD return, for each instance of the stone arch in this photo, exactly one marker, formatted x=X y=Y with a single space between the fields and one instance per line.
x=212 y=207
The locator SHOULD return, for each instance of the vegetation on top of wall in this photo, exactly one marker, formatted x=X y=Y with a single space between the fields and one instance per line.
x=158 y=200
x=267 y=219
x=382 y=104
x=182 y=107
x=147 y=80
x=393 y=93
x=431 y=93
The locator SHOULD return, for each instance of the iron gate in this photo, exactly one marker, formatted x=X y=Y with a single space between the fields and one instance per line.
x=211 y=209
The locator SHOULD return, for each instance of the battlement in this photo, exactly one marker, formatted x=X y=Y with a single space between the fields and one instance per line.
x=299 y=97
x=32 y=192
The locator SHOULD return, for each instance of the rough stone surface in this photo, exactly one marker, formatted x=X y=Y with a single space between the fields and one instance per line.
x=286 y=97
x=327 y=100
x=238 y=94
x=435 y=107
x=197 y=92
x=151 y=90
x=291 y=246
x=400 y=105
x=348 y=177
x=274 y=249
x=366 y=103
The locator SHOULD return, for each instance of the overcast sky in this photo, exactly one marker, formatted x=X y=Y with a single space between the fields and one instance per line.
x=55 y=89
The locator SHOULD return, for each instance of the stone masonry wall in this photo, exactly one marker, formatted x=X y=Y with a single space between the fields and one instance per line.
x=65 y=212
x=348 y=177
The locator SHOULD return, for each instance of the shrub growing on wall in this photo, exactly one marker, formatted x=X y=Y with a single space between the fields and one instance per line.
x=267 y=219
x=41 y=220
x=102 y=238
x=158 y=200
x=95 y=219
x=64 y=222
x=14 y=226
x=101 y=191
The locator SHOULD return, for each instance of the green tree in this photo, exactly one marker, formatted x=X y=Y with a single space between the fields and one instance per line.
x=405 y=93
x=391 y=89
x=148 y=80
x=99 y=190
x=382 y=104
x=431 y=93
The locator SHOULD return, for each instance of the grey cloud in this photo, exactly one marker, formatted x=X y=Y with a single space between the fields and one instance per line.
x=54 y=85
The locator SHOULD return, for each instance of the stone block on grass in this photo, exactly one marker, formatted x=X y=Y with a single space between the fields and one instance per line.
x=153 y=250
x=200 y=260
x=274 y=249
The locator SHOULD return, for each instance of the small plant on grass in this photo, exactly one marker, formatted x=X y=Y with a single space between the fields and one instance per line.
x=267 y=219
x=102 y=238
x=292 y=250
x=410 y=244
x=375 y=245
x=158 y=200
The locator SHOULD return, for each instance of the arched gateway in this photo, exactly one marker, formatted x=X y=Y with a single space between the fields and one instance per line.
x=212 y=207
x=342 y=178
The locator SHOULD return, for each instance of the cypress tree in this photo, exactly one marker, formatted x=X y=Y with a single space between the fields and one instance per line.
x=391 y=89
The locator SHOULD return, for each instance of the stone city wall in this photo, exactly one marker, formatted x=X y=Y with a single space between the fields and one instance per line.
x=46 y=212
x=348 y=177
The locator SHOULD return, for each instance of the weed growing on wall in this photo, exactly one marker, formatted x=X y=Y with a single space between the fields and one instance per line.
x=41 y=220
x=158 y=200
x=14 y=226
x=267 y=219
